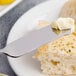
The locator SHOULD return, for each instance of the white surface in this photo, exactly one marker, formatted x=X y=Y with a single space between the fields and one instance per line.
x=26 y=65
x=5 y=8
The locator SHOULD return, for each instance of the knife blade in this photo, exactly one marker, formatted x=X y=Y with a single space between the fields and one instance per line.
x=30 y=42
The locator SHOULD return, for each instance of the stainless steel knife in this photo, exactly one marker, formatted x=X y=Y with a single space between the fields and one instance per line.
x=31 y=41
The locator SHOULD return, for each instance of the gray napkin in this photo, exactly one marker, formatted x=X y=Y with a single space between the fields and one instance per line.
x=6 y=23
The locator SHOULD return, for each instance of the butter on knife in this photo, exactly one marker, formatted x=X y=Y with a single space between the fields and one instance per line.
x=64 y=24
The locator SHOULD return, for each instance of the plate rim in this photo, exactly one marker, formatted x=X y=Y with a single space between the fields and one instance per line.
x=8 y=8
x=8 y=58
x=42 y=3
x=17 y=21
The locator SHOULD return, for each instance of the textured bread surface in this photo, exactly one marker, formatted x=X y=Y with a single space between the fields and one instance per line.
x=58 y=58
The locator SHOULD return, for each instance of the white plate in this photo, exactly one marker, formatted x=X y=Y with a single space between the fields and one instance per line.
x=5 y=8
x=49 y=10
